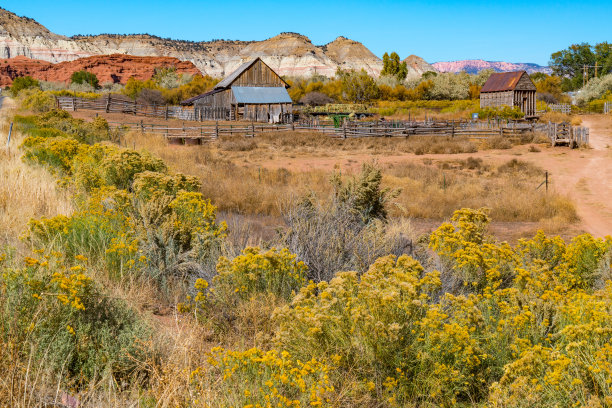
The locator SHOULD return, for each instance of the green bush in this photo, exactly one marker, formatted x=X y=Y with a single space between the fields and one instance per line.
x=61 y=321
x=84 y=77
x=37 y=101
x=21 y=83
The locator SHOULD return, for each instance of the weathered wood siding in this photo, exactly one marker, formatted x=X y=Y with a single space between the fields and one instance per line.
x=496 y=99
x=259 y=74
x=220 y=99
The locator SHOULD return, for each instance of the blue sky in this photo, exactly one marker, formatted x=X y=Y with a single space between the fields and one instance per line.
x=518 y=31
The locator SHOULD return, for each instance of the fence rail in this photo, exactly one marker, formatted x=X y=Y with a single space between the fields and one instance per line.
x=561 y=108
x=349 y=129
x=607 y=107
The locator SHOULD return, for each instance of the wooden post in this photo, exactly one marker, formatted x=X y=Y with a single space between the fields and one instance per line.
x=141 y=126
x=8 y=142
x=74 y=108
x=253 y=129
x=166 y=112
x=344 y=128
x=547 y=181
x=216 y=130
x=108 y=101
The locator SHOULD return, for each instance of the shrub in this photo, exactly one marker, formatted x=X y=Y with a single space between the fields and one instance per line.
x=315 y=99
x=57 y=152
x=66 y=325
x=120 y=166
x=277 y=272
x=85 y=77
x=150 y=97
x=21 y=83
x=37 y=101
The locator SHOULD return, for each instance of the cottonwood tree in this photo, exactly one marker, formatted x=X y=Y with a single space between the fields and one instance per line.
x=392 y=66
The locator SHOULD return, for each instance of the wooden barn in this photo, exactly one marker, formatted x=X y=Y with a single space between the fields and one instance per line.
x=510 y=89
x=252 y=92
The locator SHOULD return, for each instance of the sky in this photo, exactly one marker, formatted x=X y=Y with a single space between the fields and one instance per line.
x=517 y=31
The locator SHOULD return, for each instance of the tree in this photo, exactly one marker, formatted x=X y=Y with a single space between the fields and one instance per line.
x=570 y=63
x=21 y=83
x=315 y=99
x=357 y=87
x=393 y=67
x=85 y=77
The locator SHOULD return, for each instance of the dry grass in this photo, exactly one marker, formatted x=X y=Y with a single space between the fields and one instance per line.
x=236 y=181
x=560 y=117
x=25 y=192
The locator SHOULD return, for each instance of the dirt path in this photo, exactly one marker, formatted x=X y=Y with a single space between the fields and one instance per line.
x=588 y=177
x=585 y=175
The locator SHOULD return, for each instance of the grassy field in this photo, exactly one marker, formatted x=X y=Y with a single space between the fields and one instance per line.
x=127 y=289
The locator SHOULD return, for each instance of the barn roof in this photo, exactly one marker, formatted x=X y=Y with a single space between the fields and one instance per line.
x=227 y=81
x=503 y=81
x=261 y=94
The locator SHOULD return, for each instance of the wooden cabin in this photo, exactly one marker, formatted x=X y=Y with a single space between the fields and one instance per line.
x=252 y=92
x=510 y=89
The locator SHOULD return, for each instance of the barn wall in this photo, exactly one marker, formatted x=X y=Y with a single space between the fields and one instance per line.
x=525 y=84
x=496 y=99
x=259 y=74
x=219 y=99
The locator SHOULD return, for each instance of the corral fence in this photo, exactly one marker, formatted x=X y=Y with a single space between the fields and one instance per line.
x=114 y=104
x=607 y=107
x=349 y=129
x=566 y=134
x=560 y=108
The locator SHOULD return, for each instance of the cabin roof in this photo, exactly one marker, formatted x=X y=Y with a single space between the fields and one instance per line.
x=502 y=81
x=261 y=94
x=227 y=81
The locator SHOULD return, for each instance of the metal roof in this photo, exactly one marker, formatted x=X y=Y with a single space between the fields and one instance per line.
x=195 y=98
x=261 y=94
x=503 y=81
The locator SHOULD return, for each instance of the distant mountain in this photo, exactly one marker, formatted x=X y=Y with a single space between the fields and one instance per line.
x=475 y=66
x=288 y=53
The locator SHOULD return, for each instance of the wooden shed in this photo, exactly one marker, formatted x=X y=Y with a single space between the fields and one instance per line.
x=510 y=89
x=252 y=92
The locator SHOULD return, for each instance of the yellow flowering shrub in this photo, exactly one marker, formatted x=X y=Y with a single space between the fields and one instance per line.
x=256 y=271
x=57 y=152
x=119 y=166
x=194 y=222
x=149 y=184
x=59 y=318
x=256 y=378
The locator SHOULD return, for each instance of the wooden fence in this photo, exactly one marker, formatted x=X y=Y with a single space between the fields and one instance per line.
x=349 y=129
x=110 y=103
x=561 y=108
x=607 y=107
x=564 y=133
x=117 y=105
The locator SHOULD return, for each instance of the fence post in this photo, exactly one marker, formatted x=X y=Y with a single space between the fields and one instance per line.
x=166 y=112
x=344 y=128
x=216 y=130
x=8 y=142
x=108 y=101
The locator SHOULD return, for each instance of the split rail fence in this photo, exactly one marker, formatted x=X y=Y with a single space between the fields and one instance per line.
x=558 y=133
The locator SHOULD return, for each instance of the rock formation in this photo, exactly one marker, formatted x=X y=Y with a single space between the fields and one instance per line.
x=475 y=66
x=288 y=53
x=114 y=68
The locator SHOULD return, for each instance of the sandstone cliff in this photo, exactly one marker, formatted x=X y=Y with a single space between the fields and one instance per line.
x=114 y=68
x=288 y=53
x=475 y=66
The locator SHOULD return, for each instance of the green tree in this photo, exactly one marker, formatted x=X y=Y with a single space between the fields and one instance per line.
x=21 y=83
x=357 y=87
x=392 y=66
x=85 y=77
x=569 y=63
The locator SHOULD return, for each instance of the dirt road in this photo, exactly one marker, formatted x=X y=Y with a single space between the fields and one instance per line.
x=585 y=175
